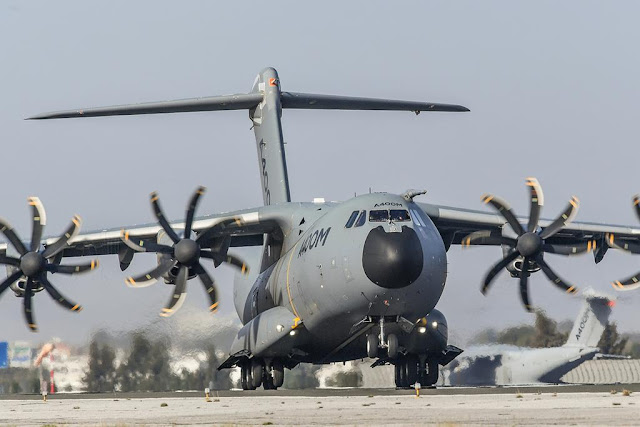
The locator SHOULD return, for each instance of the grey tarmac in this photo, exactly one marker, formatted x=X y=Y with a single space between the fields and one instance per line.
x=501 y=406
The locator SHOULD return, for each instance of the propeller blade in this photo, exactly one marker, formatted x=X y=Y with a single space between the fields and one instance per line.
x=504 y=209
x=636 y=205
x=157 y=210
x=524 y=286
x=139 y=245
x=575 y=249
x=151 y=277
x=179 y=293
x=9 y=281
x=7 y=260
x=192 y=210
x=632 y=247
x=629 y=284
x=207 y=234
x=39 y=217
x=11 y=235
x=237 y=262
x=73 y=229
x=209 y=285
x=485 y=237
x=553 y=277
x=497 y=268
x=565 y=218
x=28 y=309
x=73 y=269
x=51 y=290
x=537 y=201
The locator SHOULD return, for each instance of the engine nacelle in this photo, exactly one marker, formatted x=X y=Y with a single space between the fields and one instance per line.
x=515 y=267
x=430 y=335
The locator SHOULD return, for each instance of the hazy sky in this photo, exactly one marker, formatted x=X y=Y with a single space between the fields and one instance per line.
x=552 y=87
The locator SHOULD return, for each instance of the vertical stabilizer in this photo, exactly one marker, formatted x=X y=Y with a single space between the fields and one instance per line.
x=268 y=130
x=591 y=321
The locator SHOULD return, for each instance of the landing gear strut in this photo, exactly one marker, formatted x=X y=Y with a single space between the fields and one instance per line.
x=389 y=342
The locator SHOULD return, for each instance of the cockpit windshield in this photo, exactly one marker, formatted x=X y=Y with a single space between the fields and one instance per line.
x=399 y=215
x=379 y=216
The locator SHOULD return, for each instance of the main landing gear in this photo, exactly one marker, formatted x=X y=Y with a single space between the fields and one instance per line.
x=412 y=368
x=268 y=373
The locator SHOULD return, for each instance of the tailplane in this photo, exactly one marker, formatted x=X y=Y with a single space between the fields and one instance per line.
x=265 y=103
x=591 y=321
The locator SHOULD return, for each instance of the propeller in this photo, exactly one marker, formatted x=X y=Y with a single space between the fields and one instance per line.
x=633 y=247
x=530 y=243
x=35 y=262
x=184 y=255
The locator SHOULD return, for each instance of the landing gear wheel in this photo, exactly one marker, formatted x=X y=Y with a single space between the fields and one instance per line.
x=277 y=373
x=256 y=373
x=267 y=381
x=401 y=373
x=431 y=376
x=372 y=346
x=392 y=346
x=245 y=376
x=412 y=369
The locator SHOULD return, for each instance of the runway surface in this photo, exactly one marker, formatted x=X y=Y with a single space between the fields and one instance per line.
x=524 y=406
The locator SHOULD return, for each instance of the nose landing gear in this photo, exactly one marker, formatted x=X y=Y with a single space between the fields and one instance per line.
x=376 y=342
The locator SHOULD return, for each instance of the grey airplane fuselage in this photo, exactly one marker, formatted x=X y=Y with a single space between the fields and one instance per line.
x=331 y=276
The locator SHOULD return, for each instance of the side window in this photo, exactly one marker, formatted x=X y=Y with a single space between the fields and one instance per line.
x=351 y=219
x=361 y=219
x=399 y=215
x=379 y=216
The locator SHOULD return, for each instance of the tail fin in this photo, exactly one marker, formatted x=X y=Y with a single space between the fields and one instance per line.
x=591 y=321
x=265 y=104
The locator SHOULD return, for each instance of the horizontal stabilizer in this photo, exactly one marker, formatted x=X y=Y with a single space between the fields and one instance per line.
x=251 y=100
x=212 y=103
x=332 y=102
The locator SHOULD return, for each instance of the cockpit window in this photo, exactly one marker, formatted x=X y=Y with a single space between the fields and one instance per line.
x=361 y=219
x=379 y=216
x=398 y=215
x=351 y=219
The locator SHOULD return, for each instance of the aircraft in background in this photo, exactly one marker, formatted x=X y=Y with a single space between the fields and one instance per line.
x=336 y=281
x=511 y=365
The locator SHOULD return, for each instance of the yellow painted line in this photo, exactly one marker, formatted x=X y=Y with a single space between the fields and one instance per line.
x=570 y=290
x=213 y=306
x=487 y=198
x=75 y=307
x=293 y=250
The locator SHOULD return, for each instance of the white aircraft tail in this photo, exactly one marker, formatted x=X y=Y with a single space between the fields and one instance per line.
x=591 y=321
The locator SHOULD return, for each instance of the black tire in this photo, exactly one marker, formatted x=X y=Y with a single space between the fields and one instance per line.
x=392 y=346
x=277 y=373
x=246 y=380
x=372 y=346
x=431 y=376
x=412 y=370
x=401 y=373
x=267 y=382
x=256 y=370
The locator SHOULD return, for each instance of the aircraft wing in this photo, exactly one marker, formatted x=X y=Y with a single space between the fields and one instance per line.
x=455 y=224
x=244 y=227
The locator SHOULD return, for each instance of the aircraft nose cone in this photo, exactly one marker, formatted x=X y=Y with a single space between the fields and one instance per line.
x=392 y=260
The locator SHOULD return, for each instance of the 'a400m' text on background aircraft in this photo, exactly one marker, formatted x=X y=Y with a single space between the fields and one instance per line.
x=337 y=281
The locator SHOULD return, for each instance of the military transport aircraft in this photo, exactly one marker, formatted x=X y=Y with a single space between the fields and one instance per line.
x=337 y=281
x=510 y=365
